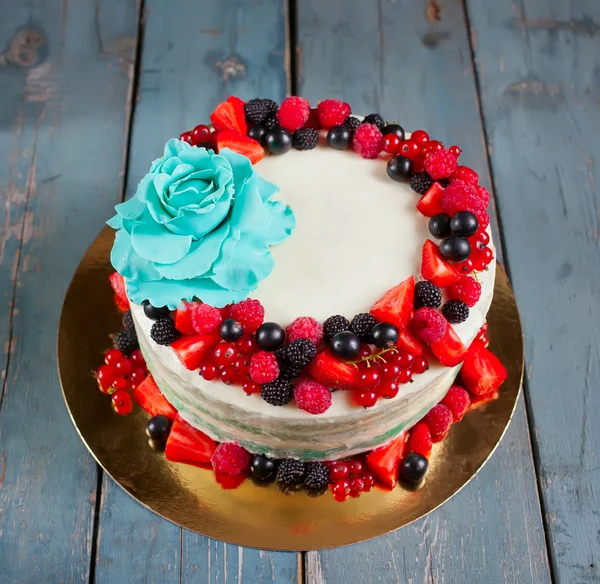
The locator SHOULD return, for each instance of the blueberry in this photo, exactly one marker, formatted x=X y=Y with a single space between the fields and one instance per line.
x=384 y=335
x=399 y=168
x=278 y=141
x=263 y=467
x=231 y=330
x=257 y=132
x=455 y=248
x=394 y=129
x=153 y=312
x=338 y=137
x=158 y=428
x=269 y=336
x=345 y=345
x=413 y=467
x=439 y=225
x=464 y=223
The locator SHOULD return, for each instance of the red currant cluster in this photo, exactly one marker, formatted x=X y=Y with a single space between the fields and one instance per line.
x=481 y=255
x=201 y=135
x=349 y=478
x=119 y=376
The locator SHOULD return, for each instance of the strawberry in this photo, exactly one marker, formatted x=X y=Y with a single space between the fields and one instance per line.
x=384 y=462
x=449 y=350
x=118 y=285
x=193 y=349
x=122 y=305
x=241 y=144
x=406 y=340
x=333 y=373
x=148 y=396
x=230 y=115
x=482 y=373
x=434 y=268
x=479 y=400
x=419 y=440
x=395 y=306
x=429 y=204
x=183 y=319
x=188 y=445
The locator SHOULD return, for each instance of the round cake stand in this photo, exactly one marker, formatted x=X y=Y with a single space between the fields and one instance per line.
x=192 y=498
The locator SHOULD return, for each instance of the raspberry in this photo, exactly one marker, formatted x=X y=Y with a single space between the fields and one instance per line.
x=332 y=112
x=333 y=325
x=312 y=397
x=205 y=318
x=305 y=139
x=455 y=311
x=264 y=367
x=439 y=420
x=258 y=110
x=293 y=113
x=249 y=313
x=367 y=140
x=305 y=327
x=440 y=164
x=484 y=195
x=230 y=458
x=467 y=289
x=427 y=294
x=428 y=325
x=376 y=120
x=163 y=332
x=420 y=182
x=419 y=440
x=465 y=174
x=457 y=400
x=462 y=196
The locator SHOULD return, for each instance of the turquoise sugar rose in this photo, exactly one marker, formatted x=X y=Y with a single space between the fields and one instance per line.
x=199 y=227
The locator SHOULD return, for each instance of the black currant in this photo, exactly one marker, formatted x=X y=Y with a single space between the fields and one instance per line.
x=257 y=132
x=394 y=129
x=338 y=137
x=153 y=312
x=269 y=336
x=464 y=223
x=278 y=141
x=439 y=225
x=384 y=335
x=413 y=467
x=158 y=428
x=263 y=467
x=345 y=345
x=231 y=330
x=455 y=248
x=399 y=168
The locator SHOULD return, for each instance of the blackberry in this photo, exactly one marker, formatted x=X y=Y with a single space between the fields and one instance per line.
x=299 y=352
x=127 y=320
x=444 y=182
x=427 y=295
x=351 y=123
x=288 y=370
x=333 y=325
x=290 y=474
x=455 y=311
x=126 y=341
x=271 y=123
x=305 y=139
x=163 y=332
x=420 y=182
x=362 y=325
x=258 y=110
x=278 y=392
x=317 y=479
x=375 y=119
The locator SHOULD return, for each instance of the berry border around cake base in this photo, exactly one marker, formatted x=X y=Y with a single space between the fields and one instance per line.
x=193 y=498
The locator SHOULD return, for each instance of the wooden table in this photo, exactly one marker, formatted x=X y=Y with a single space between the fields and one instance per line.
x=89 y=92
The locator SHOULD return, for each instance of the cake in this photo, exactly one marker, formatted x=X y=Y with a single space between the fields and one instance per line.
x=304 y=286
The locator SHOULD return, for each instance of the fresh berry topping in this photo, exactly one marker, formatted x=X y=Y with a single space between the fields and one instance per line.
x=428 y=325
x=440 y=164
x=420 y=136
x=205 y=318
x=250 y=387
x=395 y=129
x=263 y=467
x=362 y=325
x=484 y=195
x=332 y=112
x=439 y=225
x=264 y=367
x=400 y=168
x=432 y=146
x=370 y=378
x=427 y=295
x=312 y=397
x=183 y=318
x=163 y=332
x=137 y=376
x=269 y=336
x=366 y=398
x=434 y=268
x=278 y=141
x=151 y=400
x=224 y=354
x=429 y=204
x=352 y=123
x=332 y=372
x=241 y=144
x=257 y=132
x=384 y=462
x=305 y=139
x=121 y=402
x=439 y=420
x=449 y=350
x=482 y=373
x=411 y=150
x=455 y=311
x=339 y=471
x=187 y=444
x=367 y=140
x=339 y=137
x=291 y=473
x=345 y=345
x=455 y=150
x=313 y=119
x=464 y=223
x=118 y=285
x=391 y=143
x=305 y=327
x=127 y=319
x=230 y=115
x=258 y=110
x=316 y=480
x=419 y=439
x=106 y=376
x=462 y=196
x=414 y=467
x=376 y=120
x=278 y=392
x=249 y=313
x=335 y=324
x=420 y=182
x=231 y=330
x=464 y=173
x=209 y=371
x=158 y=428
x=230 y=458
x=271 y=123
x=126 y=341
x=396 y=305
x=193 y=350
x=420 y=365
x=388 y=389
x=384 y=335
x=457 y=401
x=298 y=353
x=293 y=113
x=113 y=356
x=186 y=137
x=200 y=135
x=455 y=248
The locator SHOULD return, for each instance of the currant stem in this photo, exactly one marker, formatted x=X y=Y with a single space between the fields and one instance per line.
x=371 y=358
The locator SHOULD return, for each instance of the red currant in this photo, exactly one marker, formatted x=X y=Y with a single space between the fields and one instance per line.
x=339 y=471
x=405 y=376
x=113 y=356
x=405 y=360
x=366 y=398
x=368 y=481
x=224 y=354
x=479 y=265
x=121 y=402
x=410 y=149
x=355 y=467
x=246 y=345
x=341 y=487
x=124 y=367
x=200 y=134
x=482 y=237
x=120 y=383
x=229 y=375
x=241 y=365
x=365 y=351
x=388 y=389
x=487 y=255
x=250 y=387
x=390 y=371
x=187 y=137
x=340 y=497
x=356 y=485
x=137 y=376
x=391 y=143
x=419 y=136
x=432 y=146
x=209 y=371
x=467 y=266
x=370 y=378
x=455 y=150
x=138 y=359
x=420 y=365
x=105 y=375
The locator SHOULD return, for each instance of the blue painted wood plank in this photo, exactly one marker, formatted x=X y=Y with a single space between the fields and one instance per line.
x=539 y=68
x=397 y=59
x=62 y=124
x=192 y=58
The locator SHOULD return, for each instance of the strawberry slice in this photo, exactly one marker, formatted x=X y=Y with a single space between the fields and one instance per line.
x=332 y=372
x=240 y=144
x=482 y=373
x=395 y=306
x=230 y=115
x=429 y=204
x=188 y=445
x=193 y=349
x=183 y=319
x=434 y=268
x=118 y=285
x=384 y=462
x=449 y=350
x=478 y=400
x=407 y=341
x=148 y=396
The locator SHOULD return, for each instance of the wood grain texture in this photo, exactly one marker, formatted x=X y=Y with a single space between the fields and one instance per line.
x=192 y=58
x=393 y=59
x=62 y=125
x=539 y=70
